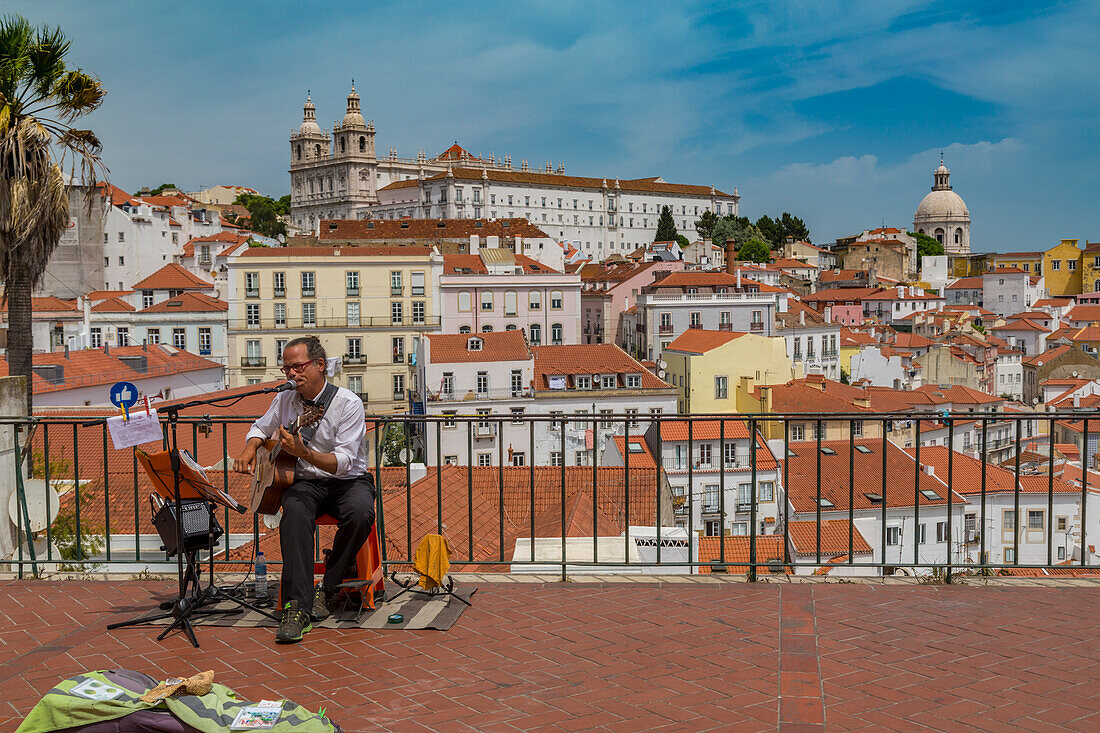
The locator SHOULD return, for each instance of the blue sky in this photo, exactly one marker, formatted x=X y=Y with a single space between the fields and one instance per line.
x=835 y=111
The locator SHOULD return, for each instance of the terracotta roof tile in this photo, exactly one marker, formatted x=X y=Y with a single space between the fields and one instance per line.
x=49 y=304
x=452 y=264
x=397 y=229
x=966 y=283
x=834 y=537
x=701 y=340
x=173 y=276
x=1020 y=324
x=735 y=550
x=112 y=305
x=188 y=303
x=1084 y=313
x=329 y=251
x=453 y=348
x=966 y=474
x=568 y=360
x=92 y=367
x=648 y=185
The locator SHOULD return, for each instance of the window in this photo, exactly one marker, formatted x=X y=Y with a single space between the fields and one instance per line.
x=517 y=383
x=484 y=459
x=395 y=282
x=607 y=381
x=556 y=300
x=519 y=458
x=633 y=381
x=1070 y=264
x=1060 y=523
x=556 y=334
x=857 y=428
x=970 y=523
x=449 y=418
x=555 y=458
x=204 y=340
x=351 y=281
x=417 y=283
x=486 y=300
x=941 y=531
x=398 y=387
x=308 y=285
x=353 y=313
x=482 y=383
x=122 y=236
x=309 y=315
x=279 y=282
x=397 y=312
x=1061 y=552
x=721 y=391
x=534 y=300
x=739 y=529
x=765 y=491
x=1008 y=525
x=605 y=421
x=1056 y=264
x=517 y=415
x=1010 y=552
x=464 y=300
x=633 y=413
x=146 y=298
x=729 y=454
x=712 y=527
x=583 y=381
x=418 y=311
x=252 y=285
x=798 y=432
x=710 y=498
x=704 y=455
x=695 y=319
x=252 y=315
x=179 y=338
x=397 y=343
x=355 y=348
x=1035 y=521
x=893 y=535
x=535 y=332
x=152 y=335
x=280 y=314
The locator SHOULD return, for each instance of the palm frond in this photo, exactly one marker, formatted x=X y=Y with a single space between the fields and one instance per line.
x=16 y=37
x=47 y=60
x=76 y=93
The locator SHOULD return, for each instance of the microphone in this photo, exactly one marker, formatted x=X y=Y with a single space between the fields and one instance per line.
x=288 y=384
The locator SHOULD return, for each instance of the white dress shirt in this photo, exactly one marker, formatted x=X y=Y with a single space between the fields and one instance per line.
x=342 y=431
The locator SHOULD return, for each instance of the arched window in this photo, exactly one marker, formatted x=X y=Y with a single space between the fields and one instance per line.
x=299 y=151
x=555 y=334
x=464 y=300
x=536 y=334
x=920 y=231
x=317 y=150
x=958 y=236
x=362 y=144
x=534 y=301
x=343 y=145
x=463 y=329
x=939 y=235
x=486 y=328
x=512 y=326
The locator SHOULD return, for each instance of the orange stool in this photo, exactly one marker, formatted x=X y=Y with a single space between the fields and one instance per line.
x=364 y=578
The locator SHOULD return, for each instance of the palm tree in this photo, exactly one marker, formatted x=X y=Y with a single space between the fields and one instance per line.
x=40 y=99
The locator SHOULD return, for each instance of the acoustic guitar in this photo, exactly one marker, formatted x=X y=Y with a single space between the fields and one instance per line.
x=273 y=471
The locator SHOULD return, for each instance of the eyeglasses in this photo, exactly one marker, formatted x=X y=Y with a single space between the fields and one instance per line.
x=296 y=368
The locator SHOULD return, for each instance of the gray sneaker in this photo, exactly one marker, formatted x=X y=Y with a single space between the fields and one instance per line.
x=322 y=600
x=294 y=624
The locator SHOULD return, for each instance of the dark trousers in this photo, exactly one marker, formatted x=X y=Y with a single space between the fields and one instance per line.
x=351 y=503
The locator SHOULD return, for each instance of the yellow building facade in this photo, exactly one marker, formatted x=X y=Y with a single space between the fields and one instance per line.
x=1062 y=268
x=1090 y=268
x=1027 y=261
x=369 y=306
x=706 y=367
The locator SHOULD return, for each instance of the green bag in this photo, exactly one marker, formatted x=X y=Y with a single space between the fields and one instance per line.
x=94 y=697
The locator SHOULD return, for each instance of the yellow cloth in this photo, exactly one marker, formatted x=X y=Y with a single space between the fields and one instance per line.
x=432 y=561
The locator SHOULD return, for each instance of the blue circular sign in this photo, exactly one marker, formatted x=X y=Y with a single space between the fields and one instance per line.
x=123 y=394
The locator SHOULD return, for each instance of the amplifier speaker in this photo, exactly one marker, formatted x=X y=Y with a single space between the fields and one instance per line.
x=197 y=529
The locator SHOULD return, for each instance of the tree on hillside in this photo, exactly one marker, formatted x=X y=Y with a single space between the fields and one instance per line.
x=794 y=228
x=40 y=99
x=666 y=227
x=771 y=229
x=754 y=250
x=264 y=212
x=777 y=231
x=282 y=205
x=736 y=229
x=161 y=188
x=704 y=225
x=926 y=245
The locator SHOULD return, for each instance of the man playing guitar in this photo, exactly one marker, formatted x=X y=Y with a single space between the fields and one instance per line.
x=330 y=477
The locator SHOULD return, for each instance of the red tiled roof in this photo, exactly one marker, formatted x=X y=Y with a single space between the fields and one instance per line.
x=1020 y=324
x=395 y=229
x=112 y=305
x=49 y=304
x=966 y=283
x=453 y=348
x=911 y=341
x=866 y=477
x=966 y=474
x=92 y=367
x=840 y=295
x=699 y=278
x=901 y=294
x=788 y=263
x=568 y=360
x=736 y=549
x=1086 y=334
x=328 y=251
x=642 y=458
x=188 y=303
x=173 y=276
x=647 y=185
x=677 y=430
x=1006 y=271
x=957 y=393
x=105 y=294
x=118 y=196
x=701 y=340
x=829 y=276
x=834 y=537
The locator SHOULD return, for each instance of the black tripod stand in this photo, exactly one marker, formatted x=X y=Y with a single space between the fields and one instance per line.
x=192 y=600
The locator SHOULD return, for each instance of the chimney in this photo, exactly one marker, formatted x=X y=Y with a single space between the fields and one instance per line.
x=817 y=381
x=731 y=257
x=492 y=241
x=66 y=350
x=802 y=318
x=475 y=244
x=739 y=277
x=928 y=469
x=748 y=384
x=417 y=471
x=1076 y=400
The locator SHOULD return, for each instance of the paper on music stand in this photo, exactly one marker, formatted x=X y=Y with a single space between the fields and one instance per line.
x=140 y=428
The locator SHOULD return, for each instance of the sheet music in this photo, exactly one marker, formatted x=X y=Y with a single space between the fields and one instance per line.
x=190 y=462
x=140 y=428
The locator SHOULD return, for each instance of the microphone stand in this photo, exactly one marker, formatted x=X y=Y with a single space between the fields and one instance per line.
x=186 y=604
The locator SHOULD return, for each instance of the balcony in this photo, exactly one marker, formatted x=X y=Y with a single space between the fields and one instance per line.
x=664 y=328
x=725 y=326
x=309 y=292
x=352 y=292
x=338 y=322
x=695 y=325
x=680 y=465
x=756 y=327
x=204 y=352
x=279 y=292
x=252 y=362
x=396 y=291
x=485 y=430
x=475 y=395
x=355 y=358
x=252 y=293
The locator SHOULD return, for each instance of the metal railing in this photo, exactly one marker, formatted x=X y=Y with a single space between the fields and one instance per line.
x=340 y=321
x=640 y=516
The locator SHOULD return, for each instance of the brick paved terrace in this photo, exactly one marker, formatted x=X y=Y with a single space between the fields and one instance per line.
x=672 y=654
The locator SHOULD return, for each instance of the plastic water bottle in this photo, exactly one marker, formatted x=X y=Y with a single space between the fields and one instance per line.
x=261 y=575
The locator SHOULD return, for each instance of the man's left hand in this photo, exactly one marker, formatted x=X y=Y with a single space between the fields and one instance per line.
x=292 y=443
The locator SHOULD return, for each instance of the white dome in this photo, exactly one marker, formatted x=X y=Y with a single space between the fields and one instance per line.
x=309 y=127
x=354 y=119
x=941 y=205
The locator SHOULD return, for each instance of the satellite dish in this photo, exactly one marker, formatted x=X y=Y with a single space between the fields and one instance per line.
x=42 y=551
x=661 y=364
x=43 y=505
x=271 y=521
x=405 y=454
x=661 y=374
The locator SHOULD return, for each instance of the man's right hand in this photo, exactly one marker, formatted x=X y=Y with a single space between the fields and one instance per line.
x=245 y=462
